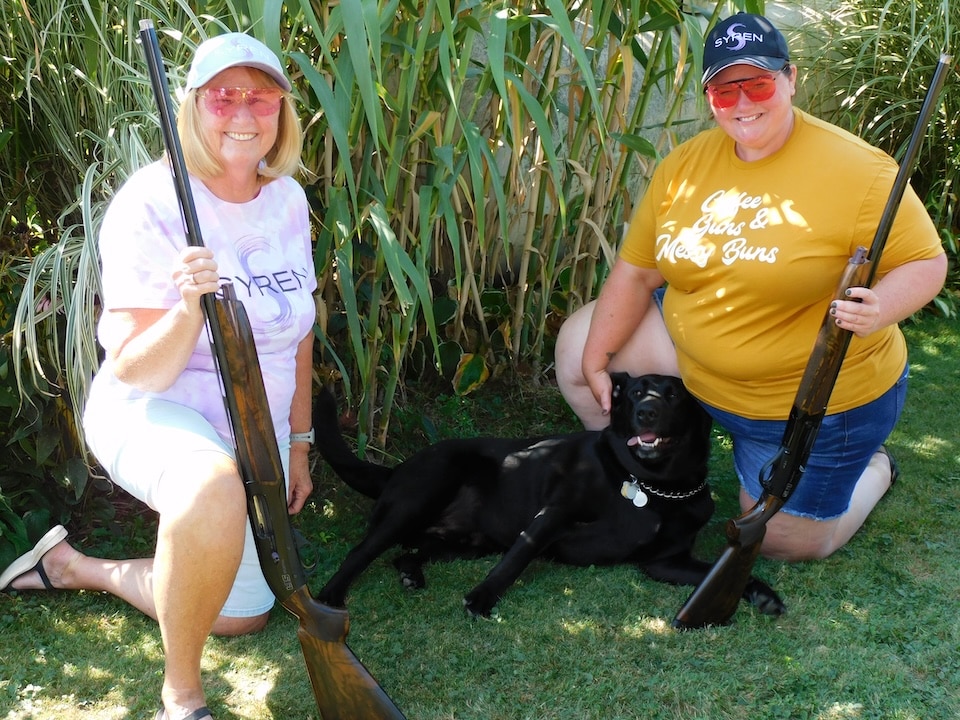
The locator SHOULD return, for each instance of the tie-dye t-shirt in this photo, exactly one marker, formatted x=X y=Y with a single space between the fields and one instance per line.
x=752 y=253
x=262 y=247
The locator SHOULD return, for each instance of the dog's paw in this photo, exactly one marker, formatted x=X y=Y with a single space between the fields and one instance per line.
x=332 y=598
x=412 y=581
x=764 y=598
x=480 y=603
x=411 y=571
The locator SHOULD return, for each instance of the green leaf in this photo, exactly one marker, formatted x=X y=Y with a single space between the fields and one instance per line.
x=450 y=353
x=472 y=372
x=638 y=144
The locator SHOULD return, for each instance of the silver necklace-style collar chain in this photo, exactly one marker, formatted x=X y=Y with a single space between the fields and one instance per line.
x=637 y=492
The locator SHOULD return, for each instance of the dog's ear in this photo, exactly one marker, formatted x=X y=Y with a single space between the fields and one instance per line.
x=620 y=379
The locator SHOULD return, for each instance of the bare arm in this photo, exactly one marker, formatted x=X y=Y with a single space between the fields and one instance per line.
x=900 y=293
x=301 y=484
x=148 y=347
x=622 y=304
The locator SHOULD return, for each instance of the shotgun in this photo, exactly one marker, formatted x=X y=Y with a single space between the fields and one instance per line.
x=715 y=599
x=344 y=689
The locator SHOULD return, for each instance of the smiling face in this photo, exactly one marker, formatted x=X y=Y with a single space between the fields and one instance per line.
x=240 y=138
x=759 y=128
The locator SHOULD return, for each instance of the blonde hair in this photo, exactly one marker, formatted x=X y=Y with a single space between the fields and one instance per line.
x=203 y=161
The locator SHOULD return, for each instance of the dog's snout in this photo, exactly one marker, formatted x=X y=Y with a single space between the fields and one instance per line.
x=648 y=413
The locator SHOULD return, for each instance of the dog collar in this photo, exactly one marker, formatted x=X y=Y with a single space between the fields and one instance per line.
x=636 y=492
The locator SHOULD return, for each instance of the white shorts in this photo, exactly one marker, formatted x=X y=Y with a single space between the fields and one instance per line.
x=136 y=440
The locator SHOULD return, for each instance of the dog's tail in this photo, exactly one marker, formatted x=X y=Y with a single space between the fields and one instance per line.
x=363 y=476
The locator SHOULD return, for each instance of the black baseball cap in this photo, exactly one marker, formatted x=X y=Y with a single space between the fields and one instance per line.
x=744 y=39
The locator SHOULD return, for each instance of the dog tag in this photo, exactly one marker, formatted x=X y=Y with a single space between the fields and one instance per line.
x=632 y=492
x=640 y=499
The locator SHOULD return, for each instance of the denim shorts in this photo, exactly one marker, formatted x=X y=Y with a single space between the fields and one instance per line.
x=843 y=447
x=136 y=439
x=658 y=296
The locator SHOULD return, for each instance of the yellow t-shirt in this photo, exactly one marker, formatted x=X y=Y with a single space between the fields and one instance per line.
x=752 y=253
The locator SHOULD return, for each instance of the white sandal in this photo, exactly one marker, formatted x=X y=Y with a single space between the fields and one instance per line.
x=33 y=560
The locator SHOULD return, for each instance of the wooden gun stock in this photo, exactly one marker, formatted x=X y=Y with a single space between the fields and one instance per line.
x=715 y=599
x=343 y=688
x=341 y=684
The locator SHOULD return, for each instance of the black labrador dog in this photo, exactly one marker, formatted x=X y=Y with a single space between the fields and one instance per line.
x=635 y=492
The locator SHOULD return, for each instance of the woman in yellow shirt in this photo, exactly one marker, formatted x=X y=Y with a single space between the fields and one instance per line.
x=750 y=225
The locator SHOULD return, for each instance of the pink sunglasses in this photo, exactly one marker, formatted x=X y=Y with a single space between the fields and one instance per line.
x=226 y=101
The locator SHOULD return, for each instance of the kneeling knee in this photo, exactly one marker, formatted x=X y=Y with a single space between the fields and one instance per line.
x=795 y=555
x=231 y=626
x=796 y=548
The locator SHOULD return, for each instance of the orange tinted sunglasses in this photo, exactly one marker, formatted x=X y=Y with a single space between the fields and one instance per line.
x=757 y=89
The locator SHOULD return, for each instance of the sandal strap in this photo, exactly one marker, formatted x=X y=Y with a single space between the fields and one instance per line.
x=43 y=576
x=894 y=468
x=199 y=714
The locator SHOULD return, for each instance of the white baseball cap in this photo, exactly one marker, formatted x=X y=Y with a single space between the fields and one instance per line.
x=233 y=50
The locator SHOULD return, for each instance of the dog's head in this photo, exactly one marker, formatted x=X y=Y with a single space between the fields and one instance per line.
x=655 y=416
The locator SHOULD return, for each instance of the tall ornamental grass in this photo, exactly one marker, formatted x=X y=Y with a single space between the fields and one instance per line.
x=472 y=169
x=469 y=165
x=869 y=72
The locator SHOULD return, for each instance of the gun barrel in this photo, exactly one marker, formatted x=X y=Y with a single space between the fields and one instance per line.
x=715 y=600
x=342 y=686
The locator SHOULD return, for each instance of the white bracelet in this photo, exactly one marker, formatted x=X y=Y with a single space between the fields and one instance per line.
x=307 y=437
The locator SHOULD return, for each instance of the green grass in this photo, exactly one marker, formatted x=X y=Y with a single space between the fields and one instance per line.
x=871 y=632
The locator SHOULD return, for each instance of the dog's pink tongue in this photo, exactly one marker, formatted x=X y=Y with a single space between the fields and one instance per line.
x=647 y=437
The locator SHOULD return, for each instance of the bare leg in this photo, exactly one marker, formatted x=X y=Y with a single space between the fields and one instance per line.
x=199 y=543
x=129 y=580
x=69 y=569
x=650 y=350
x=794 y=539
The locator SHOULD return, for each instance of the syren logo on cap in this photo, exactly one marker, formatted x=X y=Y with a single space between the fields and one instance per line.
x=735 y=40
